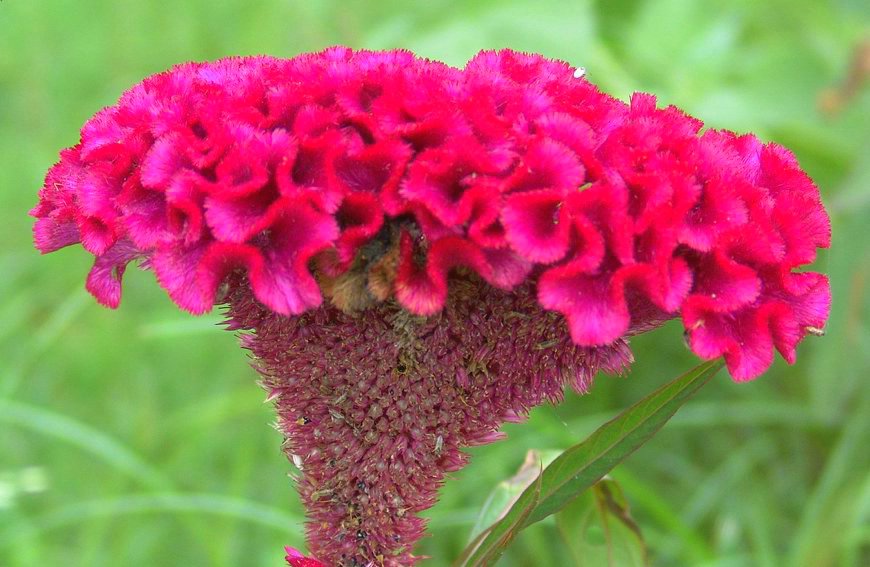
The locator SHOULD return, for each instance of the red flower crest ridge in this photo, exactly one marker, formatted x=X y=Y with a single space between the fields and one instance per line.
x=298 y=172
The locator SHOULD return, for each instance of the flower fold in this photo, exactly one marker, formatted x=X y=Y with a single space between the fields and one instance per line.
x=511 y=168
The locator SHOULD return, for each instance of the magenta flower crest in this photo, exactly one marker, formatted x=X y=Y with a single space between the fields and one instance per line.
x=416 y=253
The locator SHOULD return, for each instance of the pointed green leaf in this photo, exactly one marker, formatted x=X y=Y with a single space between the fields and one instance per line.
x=582 y=465
x=508 y=491
x=502 y=533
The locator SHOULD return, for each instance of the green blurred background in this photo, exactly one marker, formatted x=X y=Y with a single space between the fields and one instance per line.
x=139 y=437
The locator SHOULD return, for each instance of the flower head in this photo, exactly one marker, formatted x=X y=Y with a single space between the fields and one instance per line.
x=512 y=168
x=452 y=219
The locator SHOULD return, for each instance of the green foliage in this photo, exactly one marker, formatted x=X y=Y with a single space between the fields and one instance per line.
x=147 y=425
x=577 y=470
x=491 y=543
x=506 y=492
x=598 y=528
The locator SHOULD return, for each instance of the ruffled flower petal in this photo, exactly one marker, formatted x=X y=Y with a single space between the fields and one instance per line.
x=396 y=173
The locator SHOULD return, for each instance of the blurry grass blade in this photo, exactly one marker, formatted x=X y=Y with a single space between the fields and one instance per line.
x=443 y=518
x=85 y=437
x=661 y=512
x=754 y=413
x=206 y=413
x=847 y=466
x=598 y=528
x=45 y=335
x=718 y=486
x=582 y=465
x=162 y=503
x=181 y=327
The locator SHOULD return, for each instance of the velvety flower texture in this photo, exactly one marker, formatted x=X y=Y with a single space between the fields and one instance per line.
x=452 y=219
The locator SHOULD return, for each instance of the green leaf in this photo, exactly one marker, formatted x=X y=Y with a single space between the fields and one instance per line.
x=502 y=533
x=508 y=491
x=598 y=528
x=582 y=465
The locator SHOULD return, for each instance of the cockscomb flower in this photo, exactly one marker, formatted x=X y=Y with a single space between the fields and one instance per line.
x=296 y=559
x=416 y=253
